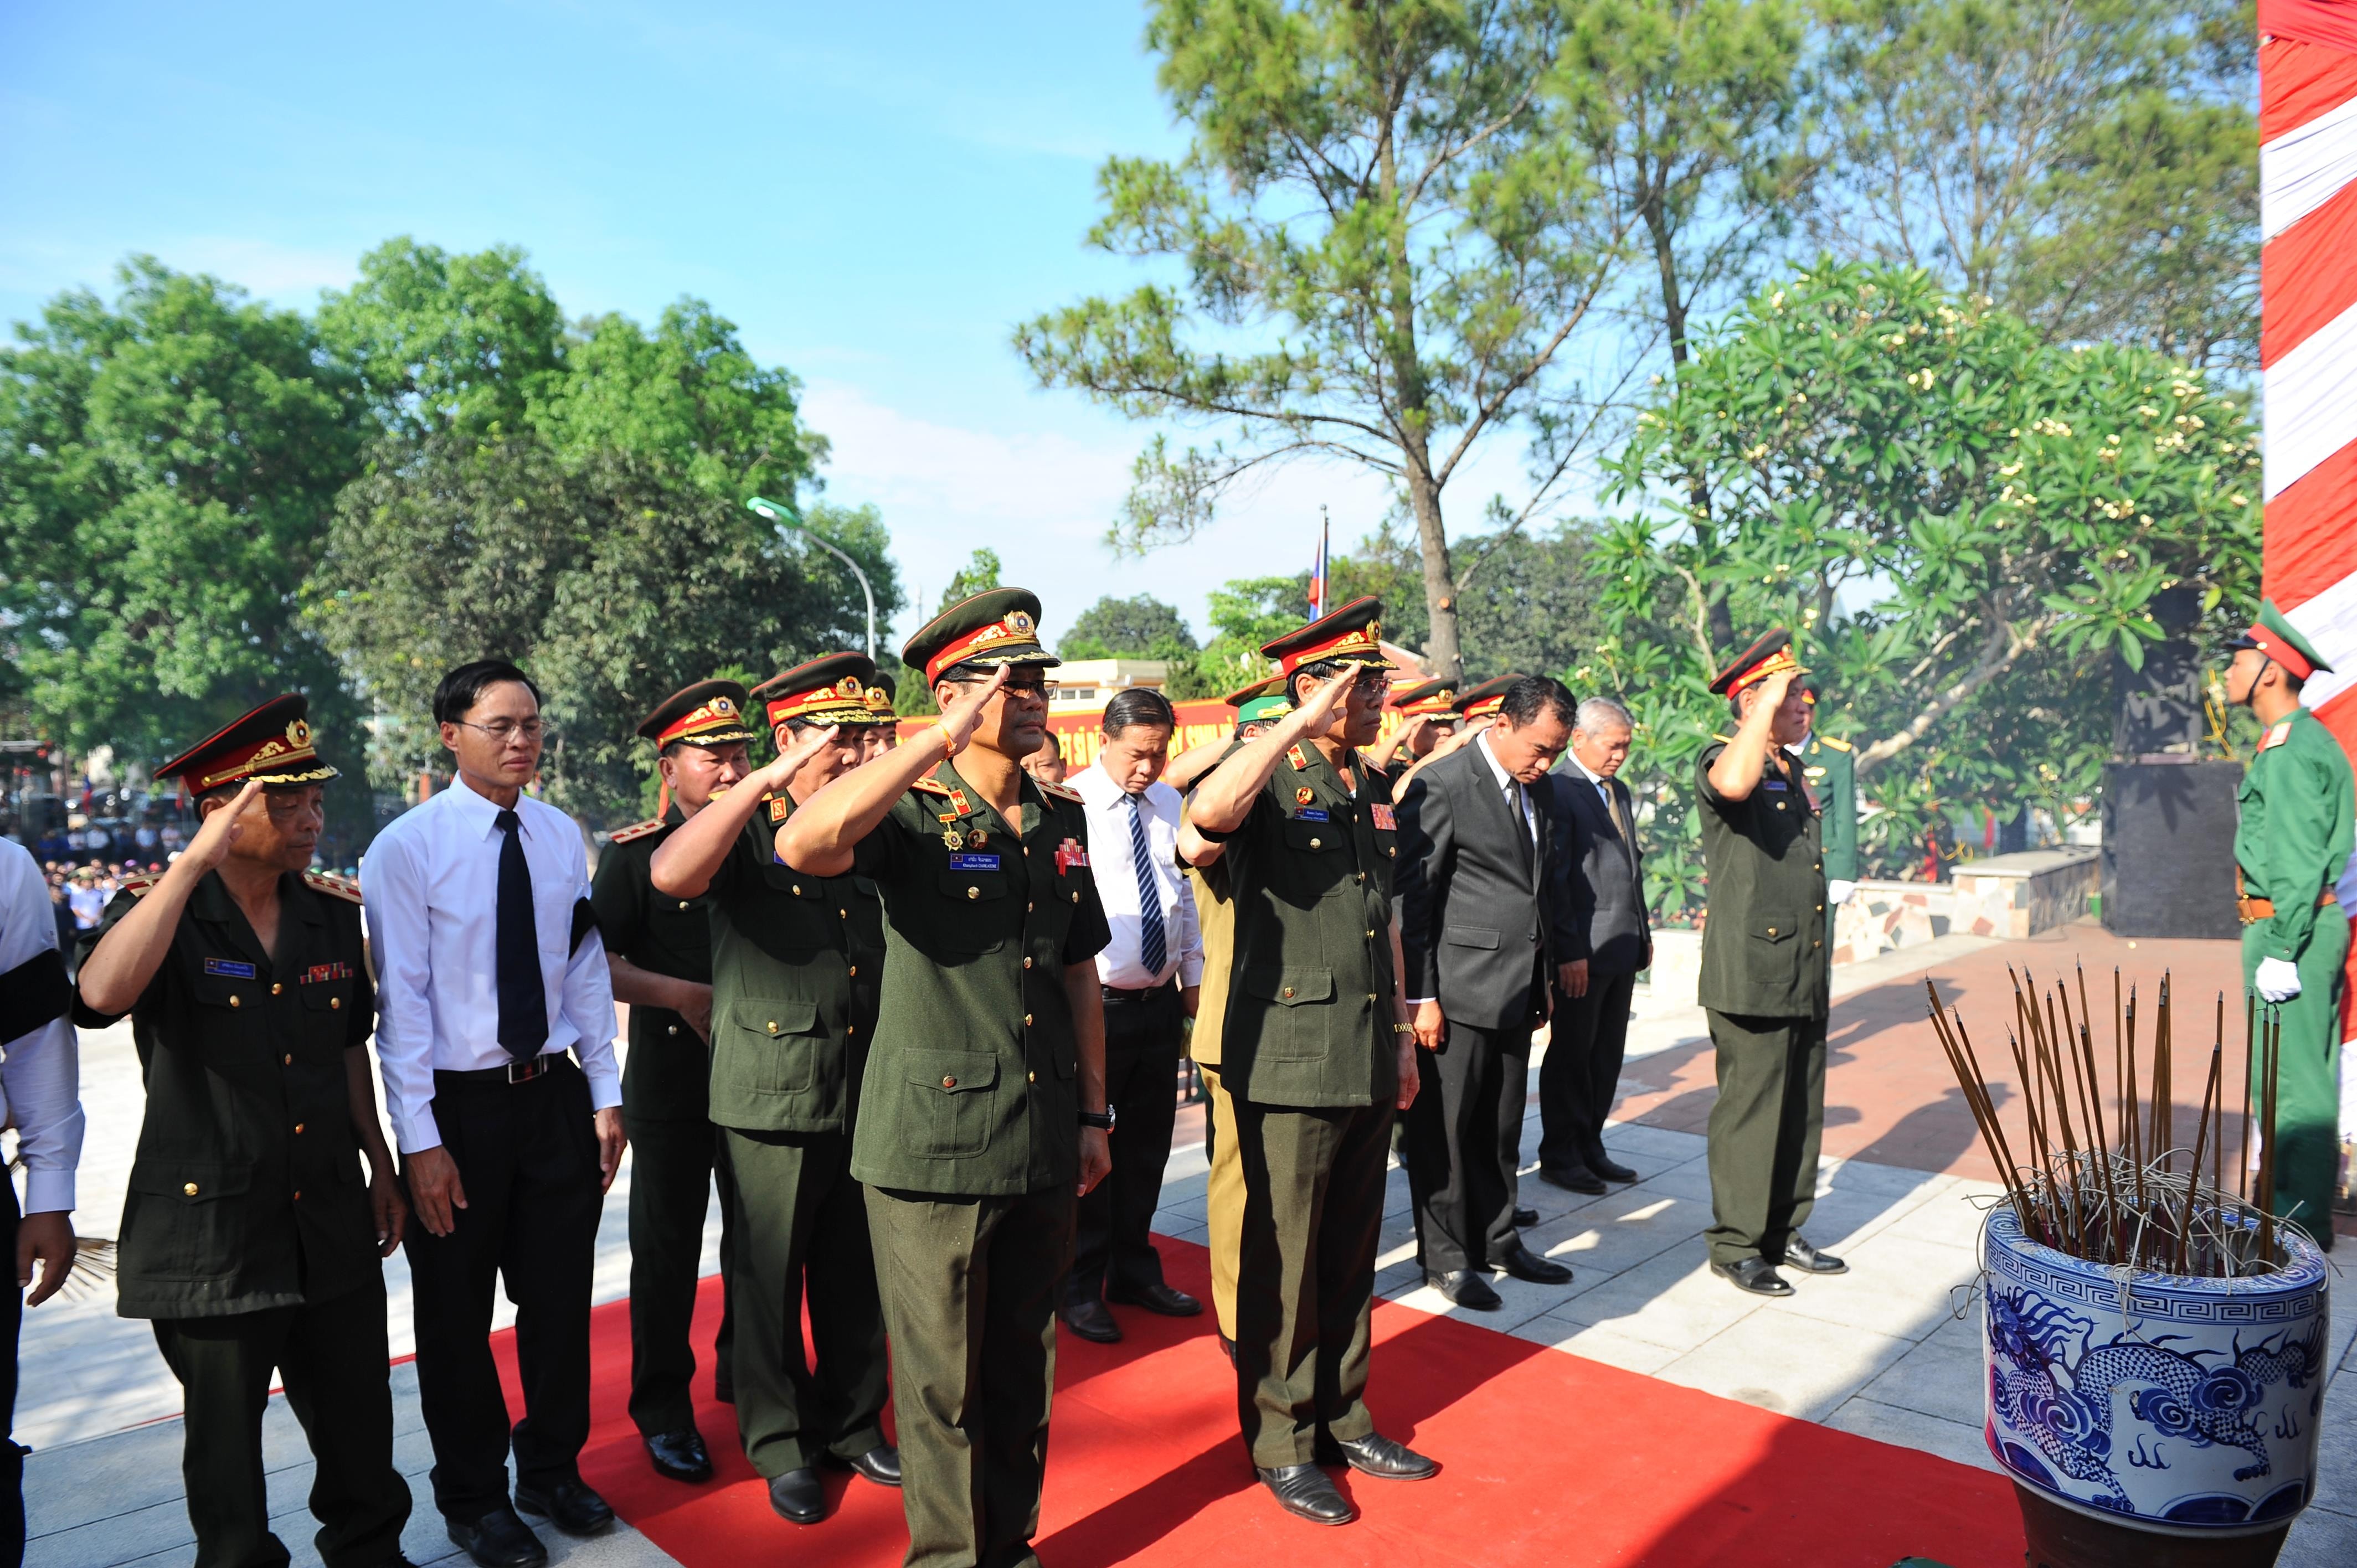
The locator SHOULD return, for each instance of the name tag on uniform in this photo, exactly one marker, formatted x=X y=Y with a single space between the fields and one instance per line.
x=973 y=863
x=230 y=967
x=1774 y=784
x=1310 y=814
x=1384 y=820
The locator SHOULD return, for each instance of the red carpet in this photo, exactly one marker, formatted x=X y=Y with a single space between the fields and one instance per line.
x=1546 y=1459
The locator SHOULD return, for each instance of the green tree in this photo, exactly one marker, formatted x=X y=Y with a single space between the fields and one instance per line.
x=979 y=575
x=1962 y=523
x=166 y=460
x=1141 y=627
x=1529 y=603
x=1385 y=245
x=445 y=343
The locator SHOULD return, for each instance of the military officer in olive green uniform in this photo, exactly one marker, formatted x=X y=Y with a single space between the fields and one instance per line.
x=1316 y=1053
x=1764 y=976
x=660 y=950
x=2291 y=845
x=982 y=1117
x=795 y=967
x=251 y=1237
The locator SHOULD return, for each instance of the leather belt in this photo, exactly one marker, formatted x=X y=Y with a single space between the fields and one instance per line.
x=540 y=1065
x=1116 y=993
x=2254 y=910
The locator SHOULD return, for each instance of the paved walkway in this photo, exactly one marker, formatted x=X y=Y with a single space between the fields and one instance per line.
x=1889 y=1350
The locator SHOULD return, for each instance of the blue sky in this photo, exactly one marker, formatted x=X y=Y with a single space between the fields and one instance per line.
x=875 y=197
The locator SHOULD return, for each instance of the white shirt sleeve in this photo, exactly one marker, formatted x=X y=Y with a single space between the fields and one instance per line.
x=392 y=893
x=588 y=1005
x=40 y=1080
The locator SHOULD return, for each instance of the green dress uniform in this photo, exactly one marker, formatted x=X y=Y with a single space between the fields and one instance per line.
x=676 y=1157
x=247 y=1237
x=1309 y=1056
x=1829 y=769
x=795 y=973
x=969 y=1131
x=2291 y=844
x=1763 y=988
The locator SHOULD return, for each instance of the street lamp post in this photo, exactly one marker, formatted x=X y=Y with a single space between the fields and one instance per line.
x=785 y=515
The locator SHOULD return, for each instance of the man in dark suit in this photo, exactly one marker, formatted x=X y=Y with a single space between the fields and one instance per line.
x=1479 y=940
x=1607 y=942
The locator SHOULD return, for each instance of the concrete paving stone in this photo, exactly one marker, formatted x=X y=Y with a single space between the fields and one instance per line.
x=118 y=1538
x=1623 y=1140
x=1896 y=1285
x=1935 y=1381
x=2336 y=1451
x=1955 y=1217
x=1673 y=1301
x=1589 y=1240
x=1781 y=1361
x=1890 y=1182
x=1959 y=1441
x=2321 y=1539
x=1846 y=1220
x=1687 y=1180
x=76 y=1483
x=1199 y=1234
x=1596 y=1342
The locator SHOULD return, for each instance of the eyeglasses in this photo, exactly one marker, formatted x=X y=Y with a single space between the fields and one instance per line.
x=532 y=732
x=1038 y=686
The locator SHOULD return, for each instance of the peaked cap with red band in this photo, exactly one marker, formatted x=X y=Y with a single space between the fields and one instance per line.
x=829 y=689
x=1350 y=635
x=2274 y=635
x=1435 y=697
x=997 y=626
x=1484 y=700
x=1771 y=655
x=272 y=743
x=881 y=689
x=710 y=712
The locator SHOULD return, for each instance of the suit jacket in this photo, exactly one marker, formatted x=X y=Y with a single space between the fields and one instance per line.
x=1473 y=892
x=1600 y=877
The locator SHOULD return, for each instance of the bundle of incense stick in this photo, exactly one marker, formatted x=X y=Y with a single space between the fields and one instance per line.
x=2101 y=1174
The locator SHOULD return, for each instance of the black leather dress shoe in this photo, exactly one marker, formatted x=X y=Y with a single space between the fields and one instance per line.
x=1386 y=1460
x=1466 y=1288
x=1571 y=1180
x=1525 y=1264
x=798 y=1496
x=1306 y=1491
x=1158 y=1298
x=680 y=1456
x=1756 y=1275
x=1610 y=1170
x=570 y=1506
x=880 y=1465
x=1089 y=1320
x=499 y=1540
x=1799 y=1254
x=1526 y=1217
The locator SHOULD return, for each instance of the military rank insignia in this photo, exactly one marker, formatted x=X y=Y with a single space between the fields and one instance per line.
x=2276 y=737
x=1304 y=795
x=1381 y=815
x=965 y=806
x=778 y=810
x=1069 y=853
x=1300 y=763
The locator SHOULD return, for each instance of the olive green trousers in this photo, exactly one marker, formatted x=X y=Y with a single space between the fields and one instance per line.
x=2308 y=1076
x=1765 y=1129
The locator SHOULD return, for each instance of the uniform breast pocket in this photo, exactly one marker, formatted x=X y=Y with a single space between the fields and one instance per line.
x=947 y=1100
x=774 y=1042
x=325 y=1003
x=1315 y=861
x=225 y=1008
x=184 y=1219
x=1772 y=951
x=975 y=911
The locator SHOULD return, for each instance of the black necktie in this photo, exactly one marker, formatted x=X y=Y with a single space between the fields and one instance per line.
x=523 y=1000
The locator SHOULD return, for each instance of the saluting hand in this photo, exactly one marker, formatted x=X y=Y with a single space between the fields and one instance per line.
x=780 y=773
x=961 y=719
x=1313 y=716
x=222 y=829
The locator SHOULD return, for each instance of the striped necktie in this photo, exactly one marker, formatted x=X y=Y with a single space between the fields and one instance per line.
x=1150 y=940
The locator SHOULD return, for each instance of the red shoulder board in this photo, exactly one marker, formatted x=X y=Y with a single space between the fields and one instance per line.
x=637 y=829
x=137 y=884
x=1300 y=763
x=2276 y=737
x=1061 y=792
x=334 y=887
x=929 y=785
x=779 y=809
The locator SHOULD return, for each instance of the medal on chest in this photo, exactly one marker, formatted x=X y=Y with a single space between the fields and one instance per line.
x=1069 y=853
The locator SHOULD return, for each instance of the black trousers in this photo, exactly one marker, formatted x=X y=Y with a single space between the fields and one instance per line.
x=333 y=1356
x=802 y=1234
x=1586 y=1041
x=1111 y=1241
x=12 y=1459
x=527 y=1155
x=1462 y=1144
x=673 y=1166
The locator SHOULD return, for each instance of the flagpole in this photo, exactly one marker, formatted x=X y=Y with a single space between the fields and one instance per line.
x=1325 y=557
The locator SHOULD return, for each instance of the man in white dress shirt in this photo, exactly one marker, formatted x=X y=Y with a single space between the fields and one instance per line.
x=495 y=1029
x=1152 y=972
x=39 y=1097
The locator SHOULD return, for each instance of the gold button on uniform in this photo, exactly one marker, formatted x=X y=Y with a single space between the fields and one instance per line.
x=1027 y=1020
x=233 y=998
x=1371 y=935
x=335 y=1004
x=275 y=988
x=1030 y=1078
x=683 y=903
x=189 y=1190
x=773 y=1025
x=1288 y=992
x=949 y=1083
x=673 y=1030
x=853 y=971
x=286 y=1060
x=798 y=891
x=1771 y=931
x=971 y=892
x=1027 y=963
x=298 y=1129
x=1317 y=843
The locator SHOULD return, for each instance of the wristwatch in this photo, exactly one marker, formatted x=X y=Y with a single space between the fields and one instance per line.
x=1101 y=1120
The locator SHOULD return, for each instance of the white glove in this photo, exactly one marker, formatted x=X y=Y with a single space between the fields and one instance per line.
x=1837 y=892
x=2277 y=980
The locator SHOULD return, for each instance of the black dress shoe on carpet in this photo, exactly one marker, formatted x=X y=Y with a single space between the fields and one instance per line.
x=1526 y=1217
x=499 y=1540
x=1571 y=1180
x=1756 y=1275
x=1158 y=1298
x=1466 y=1288
x=1611 y=1170
x=680 y=1456
x=1525 y=1264
x=1306 y=1491
x=798 y=1496
x=1386 y=1460
x=1089 y=1320
x=880 y=1465
x=1799 y=1254
x=570 y=1506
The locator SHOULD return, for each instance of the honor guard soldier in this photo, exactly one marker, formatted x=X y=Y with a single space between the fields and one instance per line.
x=659 y=951
x=795 y=962
x=1316 y=1054
x=2291 y=843
x=1830 y=769
x=250 y=1237
x=1764 y=976
x=983 y=1116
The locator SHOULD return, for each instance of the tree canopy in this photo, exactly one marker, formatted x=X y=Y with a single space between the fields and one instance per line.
x=1141 y=627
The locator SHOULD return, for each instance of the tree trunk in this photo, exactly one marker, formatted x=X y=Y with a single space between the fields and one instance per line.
x=1673 y=317
x=1441 y=651
x=1440 y=647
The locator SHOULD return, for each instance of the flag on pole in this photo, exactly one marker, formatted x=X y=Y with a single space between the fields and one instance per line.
x=1317 y=571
